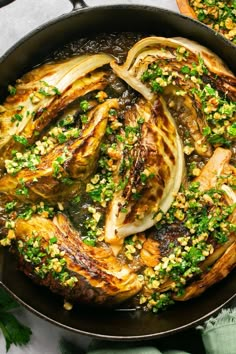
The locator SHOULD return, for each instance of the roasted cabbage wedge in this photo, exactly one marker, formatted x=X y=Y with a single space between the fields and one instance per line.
x=153 y=176
x=223 y=259
x=190 y=78
x=73 y=160
x=68 y=266
x=149 y=50
x=41 y=94
x=218 y=257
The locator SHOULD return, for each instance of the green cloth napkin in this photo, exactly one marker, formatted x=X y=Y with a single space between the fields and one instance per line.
x=218 y=335
x=142 y=350
x=139 y=350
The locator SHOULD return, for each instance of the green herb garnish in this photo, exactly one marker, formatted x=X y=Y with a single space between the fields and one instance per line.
x=14 y=331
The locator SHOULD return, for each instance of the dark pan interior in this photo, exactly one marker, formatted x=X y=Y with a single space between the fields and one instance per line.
x=30 y=51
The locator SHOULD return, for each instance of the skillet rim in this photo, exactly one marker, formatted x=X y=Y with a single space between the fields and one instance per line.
x=128 y=338
x=118 y=6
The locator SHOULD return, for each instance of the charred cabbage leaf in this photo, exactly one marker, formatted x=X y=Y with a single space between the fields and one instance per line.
x=53 y=253
x=73 y=161
x=44 y=92
x=203 y=249
x=194 y=82
x=223 y=259
x=154 y=173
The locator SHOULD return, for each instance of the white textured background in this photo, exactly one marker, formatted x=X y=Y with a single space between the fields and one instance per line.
x=22 y=16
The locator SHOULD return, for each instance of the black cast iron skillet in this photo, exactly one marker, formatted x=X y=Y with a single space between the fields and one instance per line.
x=122 y=323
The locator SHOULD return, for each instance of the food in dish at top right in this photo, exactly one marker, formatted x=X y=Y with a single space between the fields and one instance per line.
x=219 y=15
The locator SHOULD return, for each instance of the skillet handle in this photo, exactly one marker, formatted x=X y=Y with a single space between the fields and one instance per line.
x=77 y=4
x=5 y=2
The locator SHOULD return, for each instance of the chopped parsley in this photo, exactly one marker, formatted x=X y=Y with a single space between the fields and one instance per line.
x=23 y=190
x=84 y=118
x=232 y=129
x=9 y=207
x=20 y=139
x=12 y=90
x=17 y=117
x=84 y=105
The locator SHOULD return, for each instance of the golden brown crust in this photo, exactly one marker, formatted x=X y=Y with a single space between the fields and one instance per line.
x=101 y=277
x=218 y=272
x=150 y=252
x=213 y=62
x=79 y=162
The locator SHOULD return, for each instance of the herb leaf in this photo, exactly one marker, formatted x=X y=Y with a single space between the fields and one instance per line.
x=13 y=331
x=7 y=302
x=20 y=139
x=218 y=139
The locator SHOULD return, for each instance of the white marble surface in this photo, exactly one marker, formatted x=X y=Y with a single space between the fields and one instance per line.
x=16 y=20
x=20 y=17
